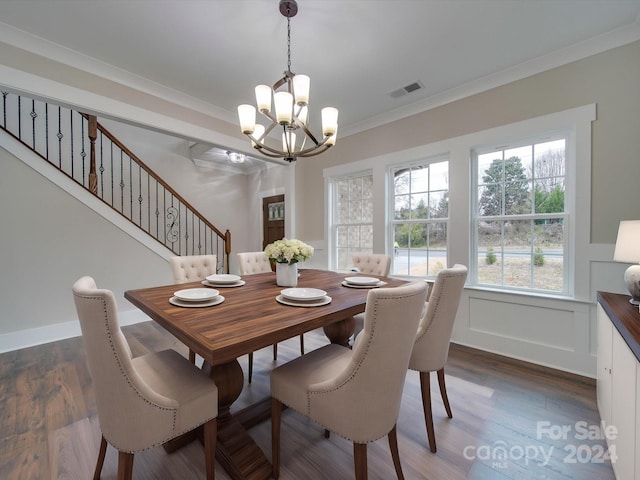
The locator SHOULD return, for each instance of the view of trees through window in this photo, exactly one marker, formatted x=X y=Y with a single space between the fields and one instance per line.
x=420 y=218
x=520 y=216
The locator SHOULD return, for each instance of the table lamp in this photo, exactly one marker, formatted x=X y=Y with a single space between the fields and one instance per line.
x=628 y=251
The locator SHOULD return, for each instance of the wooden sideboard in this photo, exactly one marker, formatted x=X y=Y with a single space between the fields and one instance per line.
x=618 y=378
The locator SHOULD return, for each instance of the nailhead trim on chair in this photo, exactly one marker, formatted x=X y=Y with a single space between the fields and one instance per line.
x=124 y=374
x=357 y=367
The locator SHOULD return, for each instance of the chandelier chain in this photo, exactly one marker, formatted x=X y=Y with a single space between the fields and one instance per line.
x=288 y=43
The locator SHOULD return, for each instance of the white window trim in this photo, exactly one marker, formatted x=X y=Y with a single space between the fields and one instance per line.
x=567 y=215
x=459 y=149
x=441 y=157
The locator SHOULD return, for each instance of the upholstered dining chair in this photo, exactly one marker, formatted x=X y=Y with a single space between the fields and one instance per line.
x=355 y=393
x=431 y=347
x=253 y=262
x=191 y=268
x=370 y=264
x=250 y=263
x=143 y=401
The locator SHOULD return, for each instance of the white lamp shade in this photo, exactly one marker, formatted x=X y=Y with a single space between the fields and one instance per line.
x=301 y=84
x=331 y=141
x=263 y=98
x=247 y=117
x=257 y=133
x=329 y=120
x=288 y=141
x=284 y=107
x=628 y=242
x=303 y=114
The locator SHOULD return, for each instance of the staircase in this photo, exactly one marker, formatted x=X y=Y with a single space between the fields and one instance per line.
x=76 y=144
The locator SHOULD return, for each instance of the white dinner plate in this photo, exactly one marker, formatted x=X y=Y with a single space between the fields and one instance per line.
x=223 y=278
x=293 y=303
x=196 y=294
x=239 y=283
x=362 y=280
x=218 y=299
x=352 y=285
x=303 y=294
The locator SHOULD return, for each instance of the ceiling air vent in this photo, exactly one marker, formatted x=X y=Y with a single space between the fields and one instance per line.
x=412 y=87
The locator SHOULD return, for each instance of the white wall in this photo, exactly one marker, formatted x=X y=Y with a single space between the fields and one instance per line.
x=51 y=238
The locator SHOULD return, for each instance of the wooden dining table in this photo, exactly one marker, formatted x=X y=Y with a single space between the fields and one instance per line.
x=247 y=320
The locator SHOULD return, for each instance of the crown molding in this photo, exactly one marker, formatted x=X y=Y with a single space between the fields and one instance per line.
x=39 y=46
x=610 y=40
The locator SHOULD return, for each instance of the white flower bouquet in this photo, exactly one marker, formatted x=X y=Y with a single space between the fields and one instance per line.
x=288 y=251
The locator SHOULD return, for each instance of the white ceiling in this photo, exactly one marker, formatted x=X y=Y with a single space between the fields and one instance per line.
x=355 y=51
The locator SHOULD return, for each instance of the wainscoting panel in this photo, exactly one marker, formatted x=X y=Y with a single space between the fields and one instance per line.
x=554 y=332
x=543 y=326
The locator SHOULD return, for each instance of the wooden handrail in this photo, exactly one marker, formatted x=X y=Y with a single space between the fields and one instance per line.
x=63 y=144
x=153 y=174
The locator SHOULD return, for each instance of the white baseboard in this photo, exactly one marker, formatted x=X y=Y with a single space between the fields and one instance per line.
x=59 y=331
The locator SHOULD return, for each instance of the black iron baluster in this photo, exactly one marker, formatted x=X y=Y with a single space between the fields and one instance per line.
x=72 y=162
x=101 y=166
x=34 y=115
x=19 y=117
x=121 y=182
x=60 y=136
x=83 y=152
x=46 y=129
x=4 y=109
x=140 y=194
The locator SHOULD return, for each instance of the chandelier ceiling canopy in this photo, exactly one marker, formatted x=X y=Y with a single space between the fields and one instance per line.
x=291 y=99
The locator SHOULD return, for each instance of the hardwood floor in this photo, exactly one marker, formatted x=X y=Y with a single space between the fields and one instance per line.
x=49 y=428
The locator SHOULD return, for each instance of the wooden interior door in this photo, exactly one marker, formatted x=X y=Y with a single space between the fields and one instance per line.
x=272 y=219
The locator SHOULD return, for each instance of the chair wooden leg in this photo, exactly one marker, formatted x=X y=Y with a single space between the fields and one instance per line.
x=192 y=356
x=125 y=466
x=327 y=433
x=425 y=387
x=443 y=392
x=360 y=460
x=275 y=352
x=100 y=462
x=395 y=455
x=276 y=414
x=210 y=443
x=301 y=345
x=250 y=366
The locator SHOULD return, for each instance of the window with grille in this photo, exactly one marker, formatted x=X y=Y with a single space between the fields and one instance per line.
x=420 y=215
x=520 y=215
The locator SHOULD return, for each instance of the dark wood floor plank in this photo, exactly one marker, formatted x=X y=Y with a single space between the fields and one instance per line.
x=49 y=427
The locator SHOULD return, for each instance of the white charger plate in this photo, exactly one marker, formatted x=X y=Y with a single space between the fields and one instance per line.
x=223 y=278
x=293 y=303
x=196 y=294
x=208 y=303
x=362 y=280
x=303 y=294
x=352 y=285
x=239 y=283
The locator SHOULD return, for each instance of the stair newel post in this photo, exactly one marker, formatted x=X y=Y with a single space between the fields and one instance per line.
x=227 y=248
x=93 y=134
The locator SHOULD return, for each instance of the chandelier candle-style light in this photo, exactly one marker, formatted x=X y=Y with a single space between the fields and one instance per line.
x=291 y=111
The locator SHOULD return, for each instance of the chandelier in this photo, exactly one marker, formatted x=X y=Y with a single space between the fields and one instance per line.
x=291 y=99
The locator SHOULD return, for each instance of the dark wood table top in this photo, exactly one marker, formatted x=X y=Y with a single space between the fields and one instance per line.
x=250 y=318
x=624 y=316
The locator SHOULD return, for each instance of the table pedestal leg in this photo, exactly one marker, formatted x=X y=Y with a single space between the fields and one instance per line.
x=236 y=451
x=340 y=332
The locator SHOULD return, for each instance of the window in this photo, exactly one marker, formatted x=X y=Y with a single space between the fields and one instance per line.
x=420 y=203
x=352 y=218
x=520 y=217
